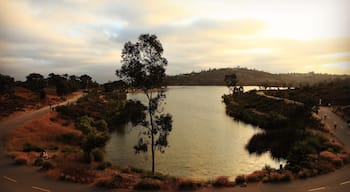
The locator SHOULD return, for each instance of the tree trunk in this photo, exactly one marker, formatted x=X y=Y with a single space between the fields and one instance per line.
x=152 y=137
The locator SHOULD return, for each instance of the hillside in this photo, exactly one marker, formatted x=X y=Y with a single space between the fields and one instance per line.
x=249 y=77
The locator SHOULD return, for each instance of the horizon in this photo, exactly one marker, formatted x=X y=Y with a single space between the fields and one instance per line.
x=76 y=37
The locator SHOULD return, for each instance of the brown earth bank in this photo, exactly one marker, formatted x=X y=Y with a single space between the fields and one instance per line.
x=64 y=162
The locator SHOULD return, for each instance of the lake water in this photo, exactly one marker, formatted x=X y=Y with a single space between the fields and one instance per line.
x=204 y=143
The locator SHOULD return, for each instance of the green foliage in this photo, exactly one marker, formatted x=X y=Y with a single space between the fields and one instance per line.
x=142 y=63
x=85 y=124
x=92 y=141
x=101 y=125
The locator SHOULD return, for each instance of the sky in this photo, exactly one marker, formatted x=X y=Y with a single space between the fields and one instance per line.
x=78 y=37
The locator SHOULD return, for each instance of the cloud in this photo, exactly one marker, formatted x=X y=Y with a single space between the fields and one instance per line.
x=87 y=36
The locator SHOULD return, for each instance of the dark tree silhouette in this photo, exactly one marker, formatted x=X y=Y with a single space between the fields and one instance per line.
x=35 y=82
x=6 y=84
x=231 y=81
x=86 y=81
x=143 y=67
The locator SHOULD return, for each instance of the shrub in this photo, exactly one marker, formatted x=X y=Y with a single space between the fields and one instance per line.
x=21 y=160
x=104 y=165
x=221 y=181
x=275 y=177
x=117 y=181
x=324 y=167
x=240 y=179
x=147 y=185
x=47 y=165
x=345 y=158
x=104 y=183
x=256 y=176
x=28 y=147
x=136 y=170
x=38 y=162
x=101 y=125
x=125 y=169
x=98 y=155
x=85 y=125
x=329 y=156
x=286 y=177
x=189 y=185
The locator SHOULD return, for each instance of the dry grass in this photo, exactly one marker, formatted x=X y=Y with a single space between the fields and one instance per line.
x=40 y=132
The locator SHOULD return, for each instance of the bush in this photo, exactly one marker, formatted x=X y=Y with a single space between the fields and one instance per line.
x=104 y=183
x=98 y=155
x=117 y=181
x=38 y=162
x=85 y=125
x=324 y=166
x=147 y=185
x=28 y=147
x=47 y=165
x=256 y=176
x=104 y=165
x=21 y=160
x=136 y=170
x=101 y=125
x=189 y=185
x=125 y=169
x=221 y=181
x=240 y=179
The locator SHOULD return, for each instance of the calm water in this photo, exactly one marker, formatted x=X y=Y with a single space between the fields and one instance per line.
x=204 y=143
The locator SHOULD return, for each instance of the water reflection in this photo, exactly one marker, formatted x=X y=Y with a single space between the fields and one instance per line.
x=205 y=142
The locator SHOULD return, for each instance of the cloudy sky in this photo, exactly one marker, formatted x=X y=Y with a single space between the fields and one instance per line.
x=79 y=36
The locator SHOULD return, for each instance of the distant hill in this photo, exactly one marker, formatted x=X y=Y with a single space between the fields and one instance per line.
x=250 y=77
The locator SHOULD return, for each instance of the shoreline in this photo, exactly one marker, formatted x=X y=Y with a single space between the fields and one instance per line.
x=127 y=169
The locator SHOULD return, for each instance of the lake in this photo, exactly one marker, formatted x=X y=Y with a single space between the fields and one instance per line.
x=204 y=143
